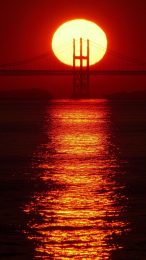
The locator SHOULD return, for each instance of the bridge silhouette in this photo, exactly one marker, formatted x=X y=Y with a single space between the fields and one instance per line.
x=69 y=72
x=126 y=66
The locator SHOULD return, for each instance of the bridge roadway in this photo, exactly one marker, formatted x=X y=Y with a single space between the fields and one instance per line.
x=10 y=72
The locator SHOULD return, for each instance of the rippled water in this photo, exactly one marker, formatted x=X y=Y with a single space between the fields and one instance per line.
x=80 y=212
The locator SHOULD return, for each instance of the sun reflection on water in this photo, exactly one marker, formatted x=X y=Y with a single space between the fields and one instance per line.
x=78 y=215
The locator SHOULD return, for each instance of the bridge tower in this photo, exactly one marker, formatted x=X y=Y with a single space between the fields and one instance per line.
x=81 y=75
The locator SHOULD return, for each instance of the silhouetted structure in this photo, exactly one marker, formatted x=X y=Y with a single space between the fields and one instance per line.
x=68 y=72
x=81 y=75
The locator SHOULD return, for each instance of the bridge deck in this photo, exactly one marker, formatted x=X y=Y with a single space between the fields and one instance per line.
x=7 y=72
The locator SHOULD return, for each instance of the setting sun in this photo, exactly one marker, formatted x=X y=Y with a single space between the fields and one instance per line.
x=62 y=42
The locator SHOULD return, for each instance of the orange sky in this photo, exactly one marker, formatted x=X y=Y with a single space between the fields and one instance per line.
x=27 y=28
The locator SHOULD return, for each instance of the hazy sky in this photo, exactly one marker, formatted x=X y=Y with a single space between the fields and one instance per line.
x=27 y=26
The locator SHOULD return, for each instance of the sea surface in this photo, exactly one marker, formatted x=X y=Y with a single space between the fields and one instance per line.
x=73 y=179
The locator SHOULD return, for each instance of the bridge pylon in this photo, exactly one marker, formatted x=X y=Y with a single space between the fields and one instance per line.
x=81 y=74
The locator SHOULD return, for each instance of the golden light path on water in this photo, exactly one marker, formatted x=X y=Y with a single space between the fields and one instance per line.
x=79 y=214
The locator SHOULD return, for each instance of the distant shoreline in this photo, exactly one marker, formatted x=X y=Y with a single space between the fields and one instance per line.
x=44 y=95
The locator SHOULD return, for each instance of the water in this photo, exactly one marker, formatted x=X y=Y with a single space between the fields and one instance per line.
x=79 y=180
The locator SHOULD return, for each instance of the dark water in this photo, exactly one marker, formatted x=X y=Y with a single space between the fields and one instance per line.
x=72 y=180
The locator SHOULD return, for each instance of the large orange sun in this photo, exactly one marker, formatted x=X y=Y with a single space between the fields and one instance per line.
x=62 y=42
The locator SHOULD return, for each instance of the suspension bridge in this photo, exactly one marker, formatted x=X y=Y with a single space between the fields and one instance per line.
x=41 y=65
x=69 y=72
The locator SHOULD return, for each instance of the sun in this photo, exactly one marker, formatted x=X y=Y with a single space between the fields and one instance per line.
x=62 y=41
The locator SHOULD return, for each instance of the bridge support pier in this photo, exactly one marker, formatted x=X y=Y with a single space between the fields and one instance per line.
x=81 y=75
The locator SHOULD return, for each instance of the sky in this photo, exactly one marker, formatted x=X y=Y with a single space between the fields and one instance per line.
x=27 y=27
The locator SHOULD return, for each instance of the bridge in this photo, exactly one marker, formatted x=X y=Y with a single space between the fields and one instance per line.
x=46 y=72
x=124 y=66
